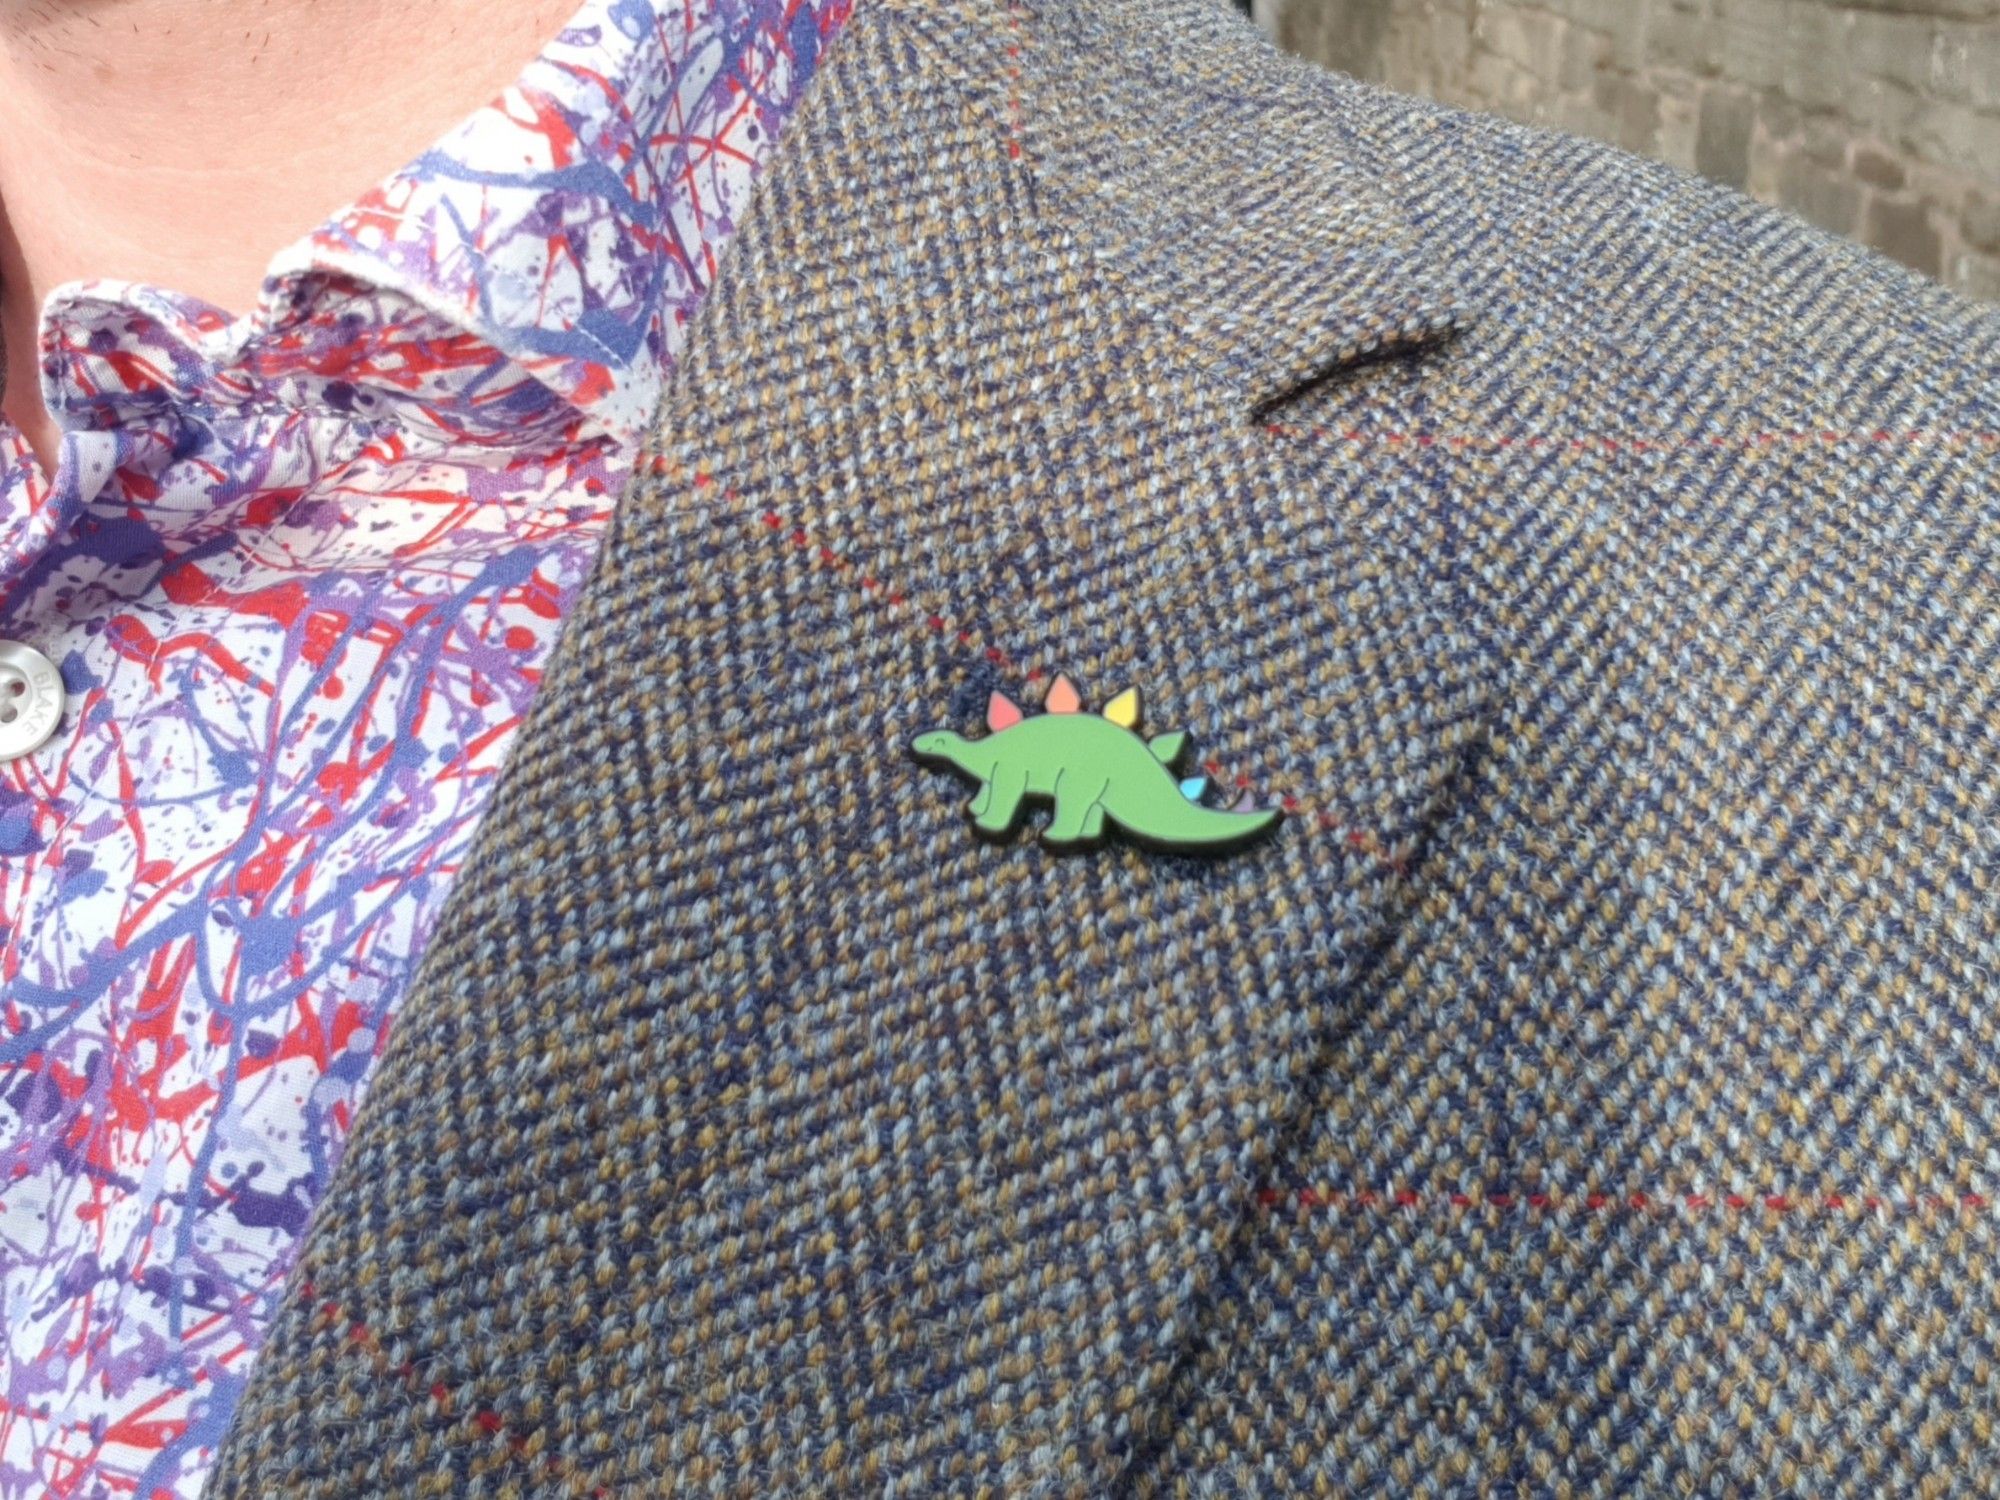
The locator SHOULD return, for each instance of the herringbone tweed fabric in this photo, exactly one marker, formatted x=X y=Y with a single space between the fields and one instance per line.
x=1591 y=1087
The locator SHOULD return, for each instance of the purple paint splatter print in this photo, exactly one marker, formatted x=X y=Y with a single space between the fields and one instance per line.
x=301 y=570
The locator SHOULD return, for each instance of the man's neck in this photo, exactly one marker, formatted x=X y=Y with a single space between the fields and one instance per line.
x=181 y=143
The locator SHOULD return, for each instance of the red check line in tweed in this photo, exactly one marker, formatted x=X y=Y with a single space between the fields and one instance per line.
x=362 y=1338
x=1602 y=1203
x=1014 y=80
x=969 y=633
x=1610 y=443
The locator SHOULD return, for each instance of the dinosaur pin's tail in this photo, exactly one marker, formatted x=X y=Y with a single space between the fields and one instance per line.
x=1192 y=827
x=1196 y=787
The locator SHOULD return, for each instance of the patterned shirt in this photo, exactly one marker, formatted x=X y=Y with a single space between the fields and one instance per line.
x=301 y=570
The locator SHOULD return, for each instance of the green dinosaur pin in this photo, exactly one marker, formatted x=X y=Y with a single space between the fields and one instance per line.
x=1097 y=771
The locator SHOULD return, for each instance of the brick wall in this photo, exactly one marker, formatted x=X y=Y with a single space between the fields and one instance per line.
x=1878 y=119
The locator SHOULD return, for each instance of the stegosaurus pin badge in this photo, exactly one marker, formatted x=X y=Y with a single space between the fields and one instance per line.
x=1096 y=770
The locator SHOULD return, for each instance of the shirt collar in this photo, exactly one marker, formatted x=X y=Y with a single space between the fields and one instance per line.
x=571 y=224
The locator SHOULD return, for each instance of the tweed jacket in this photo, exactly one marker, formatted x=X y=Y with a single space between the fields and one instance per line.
x=1590 y=1085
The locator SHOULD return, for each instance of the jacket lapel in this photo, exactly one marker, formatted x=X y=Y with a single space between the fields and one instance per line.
x=754 y=1125
x=1218 y=186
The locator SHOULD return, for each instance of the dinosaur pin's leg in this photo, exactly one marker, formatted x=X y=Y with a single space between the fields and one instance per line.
x=999 y=801
x=1079 y=814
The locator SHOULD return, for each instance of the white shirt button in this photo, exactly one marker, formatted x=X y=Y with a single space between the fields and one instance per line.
x=31 y=699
